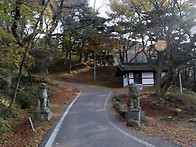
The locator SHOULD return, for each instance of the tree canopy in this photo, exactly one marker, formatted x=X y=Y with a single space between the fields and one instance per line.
x=34 y=33
x=162 y=28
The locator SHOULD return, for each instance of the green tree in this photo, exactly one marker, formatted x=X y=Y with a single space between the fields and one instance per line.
x=153 y=23
x=79 y=27
x=24 y=26
x=9 y=54
x=28 y=21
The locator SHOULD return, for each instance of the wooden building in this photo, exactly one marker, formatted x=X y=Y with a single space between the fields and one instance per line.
x=139 y=73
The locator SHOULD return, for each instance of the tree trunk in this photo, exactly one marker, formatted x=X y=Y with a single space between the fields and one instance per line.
x=80 y=58
x=69 y=63
x=65 y=50
x=81 y=53
x=166 y=87
x=8 y=79
x=29 y=74
x=163 y=83
x=66 y=55
x=29 y=43
x=126 y=55
x=157 y=83
x=166 y=82
x=95 y=63
x=44 y=66
x=104 y=59
x=17 y=83
x=86 y=56
x=186 y=74
x=121 y=57
x=194 y=77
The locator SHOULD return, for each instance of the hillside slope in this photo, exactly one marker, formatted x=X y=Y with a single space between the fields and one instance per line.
x=85 y=74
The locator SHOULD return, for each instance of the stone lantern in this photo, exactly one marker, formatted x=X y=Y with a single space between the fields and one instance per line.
x=42 y=112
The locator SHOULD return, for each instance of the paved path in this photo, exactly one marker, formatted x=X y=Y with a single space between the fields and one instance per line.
x=91 y=122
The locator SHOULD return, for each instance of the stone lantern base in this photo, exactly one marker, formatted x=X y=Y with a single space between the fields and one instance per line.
x=134 y=114
x=42 y=116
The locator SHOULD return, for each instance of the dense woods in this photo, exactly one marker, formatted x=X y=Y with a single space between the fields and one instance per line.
x=38 y=37
x=70 y=40
x=164 y=30
x=43 y=36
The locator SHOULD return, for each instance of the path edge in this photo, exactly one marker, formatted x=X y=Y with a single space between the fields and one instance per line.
x=55 y=131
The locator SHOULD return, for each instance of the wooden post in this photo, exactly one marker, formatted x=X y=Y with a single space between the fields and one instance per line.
x=180 y=79
x=94 y=65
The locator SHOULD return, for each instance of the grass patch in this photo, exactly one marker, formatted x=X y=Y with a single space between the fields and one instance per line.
x=26 y=96
x=25 y=101
x=169 y=118
x=5 y=125
x=4 y=100
x=177 y=111
x=176 y=90
x=192 y=120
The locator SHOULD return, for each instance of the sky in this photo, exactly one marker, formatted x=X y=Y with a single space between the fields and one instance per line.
x=100 y=5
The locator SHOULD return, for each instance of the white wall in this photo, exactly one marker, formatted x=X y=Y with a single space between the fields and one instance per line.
x=163 y=73
x=127 y=78
x=125 y=82
x=131 y=79
x=131 y=75
x=147 y=78
x=147 y=75
x=148 y=81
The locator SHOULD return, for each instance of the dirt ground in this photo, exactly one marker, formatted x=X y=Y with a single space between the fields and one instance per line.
x=175 y=128
x=22 y=135
x=105 y=76
x=161 y=121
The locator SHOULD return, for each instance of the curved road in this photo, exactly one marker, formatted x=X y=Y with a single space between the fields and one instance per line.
x=91 y=122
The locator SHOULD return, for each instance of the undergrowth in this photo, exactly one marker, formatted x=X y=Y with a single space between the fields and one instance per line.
x=5 y=125
x=26 y=98
x=169 y=118
x=176 y=90
x=192 y=120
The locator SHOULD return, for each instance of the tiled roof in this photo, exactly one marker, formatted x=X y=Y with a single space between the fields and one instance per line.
x=138 y=67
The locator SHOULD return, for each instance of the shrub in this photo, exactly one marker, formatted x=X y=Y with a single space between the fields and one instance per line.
x=118 y=106
x=25 y=102
x=192 y=120
x=4 y=125
x=177 y=111
x=168 y=118
x=120 y=97
x=57 y=63
x=26 y=97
